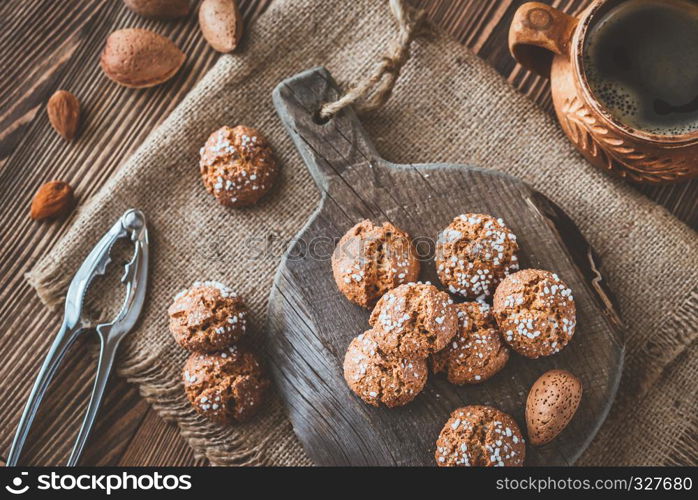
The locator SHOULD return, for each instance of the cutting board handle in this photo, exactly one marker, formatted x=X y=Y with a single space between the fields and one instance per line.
x=328 y=147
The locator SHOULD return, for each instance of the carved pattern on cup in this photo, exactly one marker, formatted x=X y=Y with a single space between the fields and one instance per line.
x=612 y=151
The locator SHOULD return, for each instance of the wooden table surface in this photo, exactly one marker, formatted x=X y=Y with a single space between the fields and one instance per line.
x=48 y=45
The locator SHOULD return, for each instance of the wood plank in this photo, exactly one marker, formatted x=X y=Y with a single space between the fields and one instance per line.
x=158 y=444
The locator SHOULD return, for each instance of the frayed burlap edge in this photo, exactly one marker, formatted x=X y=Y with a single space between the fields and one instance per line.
x=671 y=341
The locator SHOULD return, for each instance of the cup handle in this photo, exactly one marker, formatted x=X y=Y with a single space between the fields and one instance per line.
x=537 y=33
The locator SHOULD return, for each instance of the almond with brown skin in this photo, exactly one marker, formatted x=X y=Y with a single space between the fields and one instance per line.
x=53 y=199
x=140 y=58
x=159 y=9
x=221 y=24
x=63 y=110
x=551 y=404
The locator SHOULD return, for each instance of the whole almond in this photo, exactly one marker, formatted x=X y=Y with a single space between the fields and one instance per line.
x=551 y=404
x=140 y=58
x=63 y=110
x=221 y=24
x=159 y=9
x=53 y=199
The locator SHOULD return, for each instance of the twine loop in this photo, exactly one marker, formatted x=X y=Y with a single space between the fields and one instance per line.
x=375 y=90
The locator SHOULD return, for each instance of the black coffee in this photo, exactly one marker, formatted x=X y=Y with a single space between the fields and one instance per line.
x=641 y=62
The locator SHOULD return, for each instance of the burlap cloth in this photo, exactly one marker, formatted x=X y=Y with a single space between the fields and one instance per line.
x=448 y=106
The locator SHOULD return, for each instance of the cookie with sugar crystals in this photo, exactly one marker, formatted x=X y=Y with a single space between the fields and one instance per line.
x=237 y=166
x=477 y=351
x=480 y=436
x=474 y=254
x=535 y=312
x=413 y=321
x=379 y=379
x=207 y=317
x=370 y=260
x=225 y=386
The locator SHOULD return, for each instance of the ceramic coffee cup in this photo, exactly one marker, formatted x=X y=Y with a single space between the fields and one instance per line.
x=553 y=44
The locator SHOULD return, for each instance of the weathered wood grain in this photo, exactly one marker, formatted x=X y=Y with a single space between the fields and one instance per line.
x=159 y=444
x=48 y=45
x=310 y=324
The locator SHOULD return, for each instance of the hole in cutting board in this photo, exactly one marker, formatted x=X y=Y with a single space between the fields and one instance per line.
x=318 y=119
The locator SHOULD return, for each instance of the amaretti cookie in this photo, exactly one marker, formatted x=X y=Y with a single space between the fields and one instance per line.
x=480 y=436
x=237 y=166
x=207 y=317
x=379 y=379
x=413 y=321
x=477 y=351
x=535 y=312
x=369 y=260
x=474 y=253
x=225 y=386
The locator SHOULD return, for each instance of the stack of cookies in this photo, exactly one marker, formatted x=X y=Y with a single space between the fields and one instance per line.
x=222 y=379
x=416 y=327
x=388 y=364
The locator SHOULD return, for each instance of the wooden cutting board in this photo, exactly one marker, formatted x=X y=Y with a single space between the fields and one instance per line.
x=310 y=324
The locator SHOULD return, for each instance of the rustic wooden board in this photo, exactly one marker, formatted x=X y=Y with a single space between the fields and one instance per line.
x=310 y=323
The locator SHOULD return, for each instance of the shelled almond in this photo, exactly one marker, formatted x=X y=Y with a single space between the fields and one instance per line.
x=53 y=199
x=63 y=110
